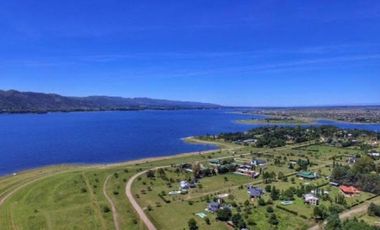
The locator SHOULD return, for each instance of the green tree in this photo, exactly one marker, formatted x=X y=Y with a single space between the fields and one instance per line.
x=192 y=224
x=333 y=222
x=223 y=214
x=273 y=219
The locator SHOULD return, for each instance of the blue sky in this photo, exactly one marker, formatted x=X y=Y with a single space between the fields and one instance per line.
x=254 y=53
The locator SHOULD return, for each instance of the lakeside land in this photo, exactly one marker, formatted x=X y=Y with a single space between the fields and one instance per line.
x=352 y=114
x=278 y=120
x=76 y=197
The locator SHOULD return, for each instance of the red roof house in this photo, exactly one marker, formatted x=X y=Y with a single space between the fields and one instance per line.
x=349 y=190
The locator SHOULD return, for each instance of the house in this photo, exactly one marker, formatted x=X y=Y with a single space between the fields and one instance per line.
x=213 y=206
x=336 y=184
x=255 y=192
x=311 y=199
x=186 y=167
x=349 y=190
x=374 y=155
x=248 y=141
x=351 y=160
x=184 y=185
x=245 y=169
x=307 y=175
x=258 y=162
x=223 y=196
x=216 y=162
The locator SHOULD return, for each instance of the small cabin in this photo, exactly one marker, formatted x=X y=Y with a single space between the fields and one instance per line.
x=307 y=175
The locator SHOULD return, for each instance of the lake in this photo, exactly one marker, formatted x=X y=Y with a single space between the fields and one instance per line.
x=34 y=140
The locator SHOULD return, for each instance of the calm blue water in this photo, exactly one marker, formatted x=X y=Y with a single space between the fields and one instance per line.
x=31 y=140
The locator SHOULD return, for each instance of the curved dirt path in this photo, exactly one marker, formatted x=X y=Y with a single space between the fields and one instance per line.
x=113 y=208
x=135 y=205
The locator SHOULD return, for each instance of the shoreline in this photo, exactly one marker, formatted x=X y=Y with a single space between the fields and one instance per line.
x=190 y=140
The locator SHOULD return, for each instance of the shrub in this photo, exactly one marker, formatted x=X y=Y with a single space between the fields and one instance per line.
x=192 y=224
x=374 y=210
x=223 y=214
x=261 y=202
x=207 y=220
x=106 y=209
x=273 y=219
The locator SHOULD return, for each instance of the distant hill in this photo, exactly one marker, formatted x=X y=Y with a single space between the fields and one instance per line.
x=13 y=101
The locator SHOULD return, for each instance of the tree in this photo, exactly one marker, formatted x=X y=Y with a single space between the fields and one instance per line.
x=320 y=213
x=192 y=224
x=273 y=219
x=161 y=172
x=374 y=210
x=150 y=174
x=223 y=214
x=364 y=165
x=275 y=193
x=333 y=222
x=354 y=224
x=207 y=220
x=261 y=202
x=196 y=167
x=340 y=199
x=280 y=176
x=236 y=219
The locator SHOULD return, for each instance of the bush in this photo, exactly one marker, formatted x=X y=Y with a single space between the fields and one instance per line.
x=270 y=209
x=261 y=202
x=207 y=220
x=374 y=210
x=223 y=214
x=273 y=219
x=251 y=221
x=192 y=224
x=106 y=209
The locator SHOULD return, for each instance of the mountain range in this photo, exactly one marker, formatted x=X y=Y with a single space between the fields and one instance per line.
x=12 y=101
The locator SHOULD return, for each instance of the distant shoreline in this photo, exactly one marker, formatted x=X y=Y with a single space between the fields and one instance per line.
x=105 y=110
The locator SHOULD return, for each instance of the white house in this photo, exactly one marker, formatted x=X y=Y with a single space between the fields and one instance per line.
x=184 y=185
x=311 y=199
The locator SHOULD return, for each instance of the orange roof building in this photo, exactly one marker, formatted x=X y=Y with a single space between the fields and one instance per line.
x=349 y=190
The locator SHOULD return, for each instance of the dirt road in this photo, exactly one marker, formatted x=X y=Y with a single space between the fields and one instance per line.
x=113 y=208
x=358 y=210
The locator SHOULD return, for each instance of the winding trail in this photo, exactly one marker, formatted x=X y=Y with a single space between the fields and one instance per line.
x=128 y=191
x=113 y=208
